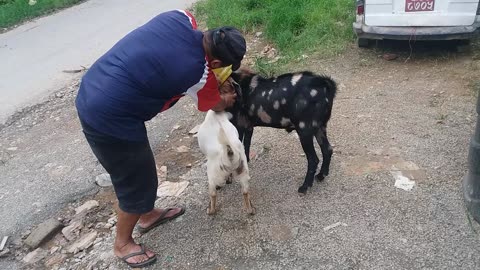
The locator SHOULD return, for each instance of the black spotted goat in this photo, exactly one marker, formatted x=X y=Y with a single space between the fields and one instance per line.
x=300 y=101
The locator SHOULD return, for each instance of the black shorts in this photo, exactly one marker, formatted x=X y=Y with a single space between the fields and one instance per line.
x=131 y=166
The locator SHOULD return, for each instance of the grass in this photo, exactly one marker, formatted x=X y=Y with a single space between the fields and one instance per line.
x=13 y=12
x=296 y=27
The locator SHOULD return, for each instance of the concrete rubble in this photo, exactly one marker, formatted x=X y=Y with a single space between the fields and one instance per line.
x=103 y=180
x=87 y=206
x=71 y=231
x=82 y=243
x=35 y=256
x=42 y=232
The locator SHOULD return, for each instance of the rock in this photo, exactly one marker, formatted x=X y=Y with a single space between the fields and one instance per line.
x=98 y=240
x=333 y=226
x=4 y=253
x=194 y=130
x=258 y=34
x=87 y=206
x=103 y=180
x=80 y=255
x=26 y=234
x=112 y=220
x=170 y=189
x=107 y=226
x=162 y=173
x=56 y=259
x=54 y=249
x=17 y=242
x=182 y=149
x=70 y=232
x=35 y=256
x=189 y=165
x=295 y=231
x=83 y=243
x=4 y=157
x=60 y=240
x=176 y=127
x=42 y=232
x=390 y=56
x=12 y=148
x=59 y=95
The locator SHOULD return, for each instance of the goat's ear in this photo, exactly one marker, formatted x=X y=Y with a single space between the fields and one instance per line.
x=242 y=73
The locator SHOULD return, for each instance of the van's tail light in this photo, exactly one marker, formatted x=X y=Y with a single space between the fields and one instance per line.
x=360 y=7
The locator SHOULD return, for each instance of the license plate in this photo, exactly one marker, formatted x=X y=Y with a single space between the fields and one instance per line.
x=419 y=5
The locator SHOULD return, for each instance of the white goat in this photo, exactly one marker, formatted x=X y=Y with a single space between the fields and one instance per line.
x=219 y=142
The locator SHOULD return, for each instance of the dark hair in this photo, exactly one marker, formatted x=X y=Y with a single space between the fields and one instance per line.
x=228 y=45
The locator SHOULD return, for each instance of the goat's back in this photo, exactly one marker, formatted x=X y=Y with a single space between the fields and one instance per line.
x=287 y=100
x=209 y=133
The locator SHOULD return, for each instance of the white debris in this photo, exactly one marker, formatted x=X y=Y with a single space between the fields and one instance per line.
x=162 y=173
x=176 y=127
x=194 y=130
x=88 y=205
x=54 y=249
x=402 y=182
x=182 y=149
x=103 y=180
x=333 y=226
x=170 y=189
x=12 y=148
x=3 y=243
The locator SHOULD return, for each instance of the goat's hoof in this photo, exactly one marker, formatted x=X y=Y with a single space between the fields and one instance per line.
x=320 y=177
x=210 y=211
x=218 y=187
x=302 y=190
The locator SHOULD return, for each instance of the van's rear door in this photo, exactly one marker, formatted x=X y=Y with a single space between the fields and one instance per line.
x=420 y=12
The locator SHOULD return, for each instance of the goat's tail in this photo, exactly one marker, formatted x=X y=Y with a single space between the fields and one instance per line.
x=223 y=139
x=331 y=86
x=324 y=105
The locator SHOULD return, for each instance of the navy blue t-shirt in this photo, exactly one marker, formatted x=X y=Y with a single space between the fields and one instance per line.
x=145 y=73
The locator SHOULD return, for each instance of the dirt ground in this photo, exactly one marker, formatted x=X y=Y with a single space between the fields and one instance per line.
x=413 y=115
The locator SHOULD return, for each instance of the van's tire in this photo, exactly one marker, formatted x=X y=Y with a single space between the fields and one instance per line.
x=463 y=46
x=363 y=42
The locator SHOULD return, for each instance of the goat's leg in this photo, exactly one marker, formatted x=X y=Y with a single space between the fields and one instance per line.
x=244 y=182
x=247 y=141
x=213 y=198
x=327 y=152
x=309 y=149
x=215 y=178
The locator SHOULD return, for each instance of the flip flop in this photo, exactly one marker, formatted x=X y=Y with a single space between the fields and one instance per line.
x=162 y=219
x=150 y=261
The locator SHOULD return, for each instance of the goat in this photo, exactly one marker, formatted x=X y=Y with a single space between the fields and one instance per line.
x=295 y=101
x=219 y=142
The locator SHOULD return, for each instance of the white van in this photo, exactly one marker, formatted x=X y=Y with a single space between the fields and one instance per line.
x=416 y=20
